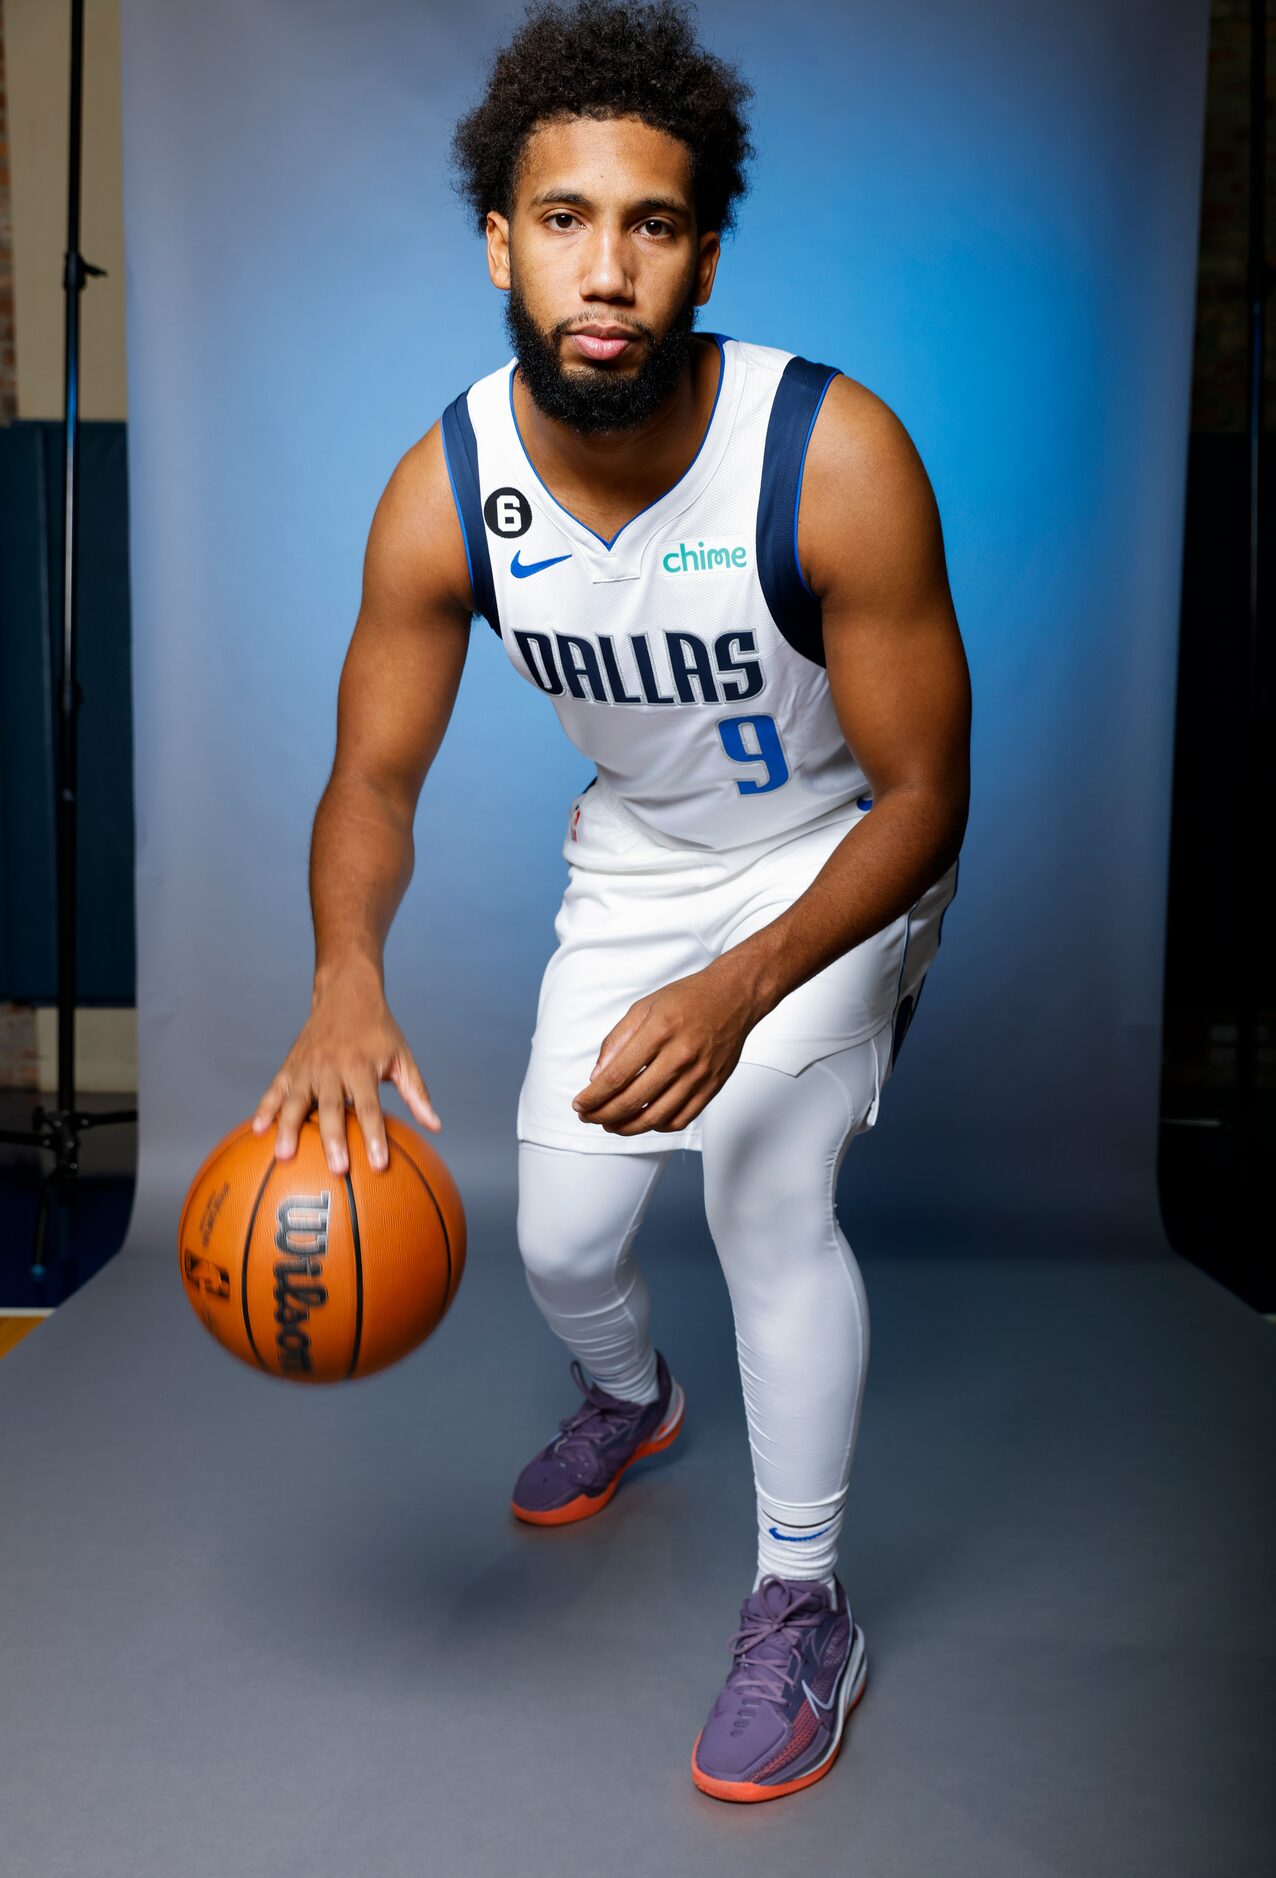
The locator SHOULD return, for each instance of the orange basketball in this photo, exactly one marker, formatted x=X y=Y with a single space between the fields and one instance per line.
x=316 y=1276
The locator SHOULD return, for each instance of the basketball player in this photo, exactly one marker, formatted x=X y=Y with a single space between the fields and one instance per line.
x=723 y=565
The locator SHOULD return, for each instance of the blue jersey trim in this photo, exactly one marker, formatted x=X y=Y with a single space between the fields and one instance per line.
x=460 y=513
x=719 y=338
x=794 y=409
x=460 y=453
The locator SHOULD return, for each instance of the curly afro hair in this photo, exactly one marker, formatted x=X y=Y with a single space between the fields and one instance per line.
x=594 y=58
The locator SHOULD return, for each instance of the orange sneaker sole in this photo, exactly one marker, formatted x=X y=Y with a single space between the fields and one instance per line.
x=585 y=1505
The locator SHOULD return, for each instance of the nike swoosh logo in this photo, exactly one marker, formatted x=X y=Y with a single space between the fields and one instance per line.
x=802 y=1539
x=814 y=1699
x=520 y=570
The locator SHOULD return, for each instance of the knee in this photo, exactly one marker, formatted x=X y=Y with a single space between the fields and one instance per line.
x=578 y=1213
x=567 y=1243
x=555 y=1251
x=772 y=1145
x=767 y=1219
x=751 y=1202
x=758 y=1147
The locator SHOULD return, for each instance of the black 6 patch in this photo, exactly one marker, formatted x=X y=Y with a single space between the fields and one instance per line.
x=508 y=513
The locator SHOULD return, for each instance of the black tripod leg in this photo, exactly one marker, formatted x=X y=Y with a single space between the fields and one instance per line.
x=67 y=1269
x=38 y=1268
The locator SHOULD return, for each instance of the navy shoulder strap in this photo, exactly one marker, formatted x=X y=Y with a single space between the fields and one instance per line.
x=794 y=409
x=460 y=452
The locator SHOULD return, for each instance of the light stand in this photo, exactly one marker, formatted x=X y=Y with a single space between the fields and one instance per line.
x=58 y=1130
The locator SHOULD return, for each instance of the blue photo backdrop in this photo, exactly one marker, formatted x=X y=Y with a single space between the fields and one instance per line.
x=985 y=212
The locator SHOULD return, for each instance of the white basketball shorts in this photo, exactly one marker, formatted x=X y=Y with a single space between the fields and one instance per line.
x=641 y=910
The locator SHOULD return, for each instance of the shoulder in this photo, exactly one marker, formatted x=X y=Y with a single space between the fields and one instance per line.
x=860 y=450
x=416 y=529
x=440 y=460
x=866 y=500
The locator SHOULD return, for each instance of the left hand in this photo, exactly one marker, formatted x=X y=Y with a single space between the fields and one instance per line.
x=669 y=1055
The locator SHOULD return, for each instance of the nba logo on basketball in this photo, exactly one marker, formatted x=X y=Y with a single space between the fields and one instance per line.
x=575 y=820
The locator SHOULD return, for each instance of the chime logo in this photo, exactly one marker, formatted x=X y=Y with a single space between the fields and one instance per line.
x=703 y=557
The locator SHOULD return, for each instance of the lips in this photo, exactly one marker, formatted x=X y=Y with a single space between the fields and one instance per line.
x=593 y=346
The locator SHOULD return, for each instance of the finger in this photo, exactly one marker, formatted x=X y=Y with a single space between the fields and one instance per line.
x=268 y=1107
x=648 y=1082
x=629 y=1061
x=296 y=1107
x=332 y=1119
x=598 y=1101
x=367 y=1106
x=663 y=1111
x=410 y=1084
x=610 y=1055
x=683 y=1117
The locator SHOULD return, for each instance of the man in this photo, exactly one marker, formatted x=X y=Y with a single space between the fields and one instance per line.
x=723 y=564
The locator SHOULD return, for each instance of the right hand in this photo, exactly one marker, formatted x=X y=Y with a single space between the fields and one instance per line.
x=348 y=1046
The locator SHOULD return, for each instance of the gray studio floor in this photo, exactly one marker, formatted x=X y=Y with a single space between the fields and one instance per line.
x=250 y=1628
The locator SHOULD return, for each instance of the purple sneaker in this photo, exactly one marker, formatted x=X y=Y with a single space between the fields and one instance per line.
x=578 y=1472
x=800 y=1667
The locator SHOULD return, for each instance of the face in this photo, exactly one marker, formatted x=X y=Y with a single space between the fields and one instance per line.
x=603 y=236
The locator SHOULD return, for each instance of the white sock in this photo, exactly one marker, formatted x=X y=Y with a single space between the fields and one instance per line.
x=828 y=1583
x=638 y=1382
x=799 y=1541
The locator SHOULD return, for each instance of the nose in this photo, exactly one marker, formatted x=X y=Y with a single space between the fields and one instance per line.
x=606 y=274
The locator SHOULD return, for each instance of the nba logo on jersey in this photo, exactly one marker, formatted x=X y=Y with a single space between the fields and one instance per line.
x=575 y=820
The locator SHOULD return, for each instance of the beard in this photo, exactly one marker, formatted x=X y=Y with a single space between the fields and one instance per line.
x=592 y=396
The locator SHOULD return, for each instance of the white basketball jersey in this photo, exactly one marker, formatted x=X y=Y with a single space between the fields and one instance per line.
x=684 y=656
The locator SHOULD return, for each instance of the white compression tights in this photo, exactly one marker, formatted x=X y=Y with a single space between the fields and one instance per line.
x=771 y=1148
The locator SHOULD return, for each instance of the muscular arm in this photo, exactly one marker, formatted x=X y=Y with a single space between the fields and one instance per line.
x=394 y=701
x=398 y=686
x=871 y=548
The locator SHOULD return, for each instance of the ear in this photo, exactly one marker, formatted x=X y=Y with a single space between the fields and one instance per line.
x=707 y=266
x=498 y=249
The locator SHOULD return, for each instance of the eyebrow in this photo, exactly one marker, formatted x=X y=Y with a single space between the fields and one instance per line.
x=669 y=205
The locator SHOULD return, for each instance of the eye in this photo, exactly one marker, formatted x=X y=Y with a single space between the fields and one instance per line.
x=661 y=227
x=556 y=215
